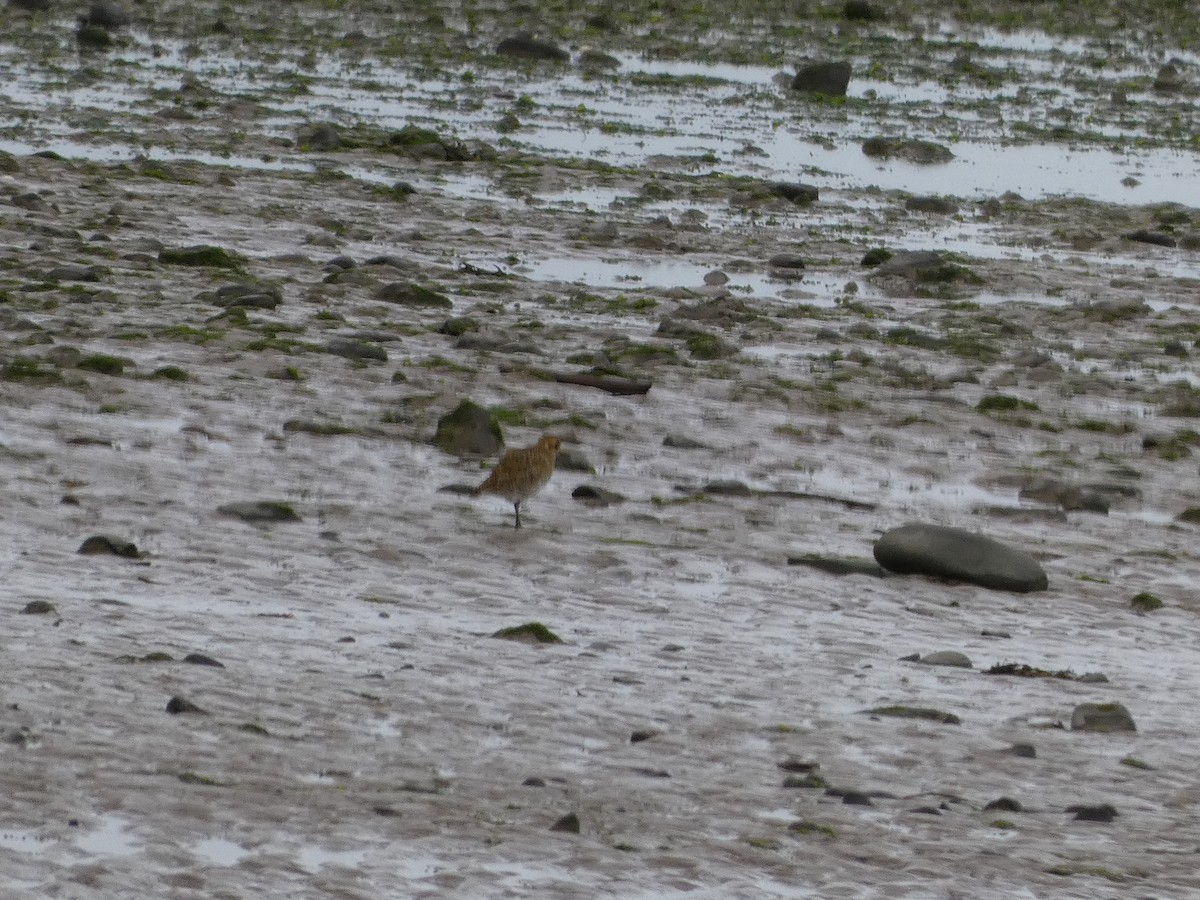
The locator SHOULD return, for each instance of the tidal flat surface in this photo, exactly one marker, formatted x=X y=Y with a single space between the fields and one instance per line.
x=253 y=254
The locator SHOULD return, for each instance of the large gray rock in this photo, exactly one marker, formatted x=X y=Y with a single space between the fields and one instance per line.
x=958 y=554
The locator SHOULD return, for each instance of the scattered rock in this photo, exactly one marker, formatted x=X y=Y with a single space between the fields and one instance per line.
x=248 y=294
x=529 y=633
x=786 y=261
x=1145 y=602
x=1068 y=497
x=861 y=11
x=260 y=511
x=1102 y=812
x=92 y=37
x=936 y=205
x=1104 y=718
x=526 y=46
x=727 y=487
x=827 y=78
x=1143 y=236
x=200 y=659
x=1022 y=751
x=915 y=712
x=923 y=153
x=955 y=553
x=201 y=255
x=355 y=349
x=590 y=495
x=458 y=326
x=598 y=61
x=1117 y=308
x=572 y=459
x=798 y=766
x=469 y=430
x=38 y=608
x=683 y=442
x=832 y=565
x=1004 y=804
x=950 y=658
x=813 y=828
x=99 y=544
x=324 y=137
x=1024 y=670
x=412 y=295
x=795 y=192
x=643 y=734
x=910 y=265
x=74 y=273
x=1169 y=79
x=104 y=14
x=179 y=706
x=568 y=823
x=855 y=798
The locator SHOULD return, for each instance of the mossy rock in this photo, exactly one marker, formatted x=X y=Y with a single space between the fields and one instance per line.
x=813 y=828
x=201 y=255
x=1104 y=718
x=915 y=151
x=1004 y=403
x=413 y=295
x=23 y=368
x=170 y=373
x=1146 y=602
x=458 y=326
x=469 y=430
x=413 y=136
x=260 y=511
x=915 y=712
x=709 y=346
x=8 y=163
x=1191 y=515
x=1134 y=763
x=103 y=363
x=529 y=633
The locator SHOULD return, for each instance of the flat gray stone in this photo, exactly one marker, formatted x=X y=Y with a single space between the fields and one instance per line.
x=958 y=554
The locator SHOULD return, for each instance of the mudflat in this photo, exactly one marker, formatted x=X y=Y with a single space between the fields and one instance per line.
x=257 y=638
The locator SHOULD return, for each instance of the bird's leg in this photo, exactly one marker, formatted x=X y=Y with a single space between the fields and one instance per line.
x=517 y=508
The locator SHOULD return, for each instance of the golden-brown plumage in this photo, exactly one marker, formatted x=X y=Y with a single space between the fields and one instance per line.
x=522 y=473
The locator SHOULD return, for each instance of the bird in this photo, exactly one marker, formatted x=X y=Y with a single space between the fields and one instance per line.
x=521 y=473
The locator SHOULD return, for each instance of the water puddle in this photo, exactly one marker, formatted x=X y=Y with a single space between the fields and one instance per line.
x=388 y=728
x=109 y=838
x=806 y=286
x=221 y=852
x=312 y=858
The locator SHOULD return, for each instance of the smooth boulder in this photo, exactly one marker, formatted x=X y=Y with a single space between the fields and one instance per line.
x=962 y=555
